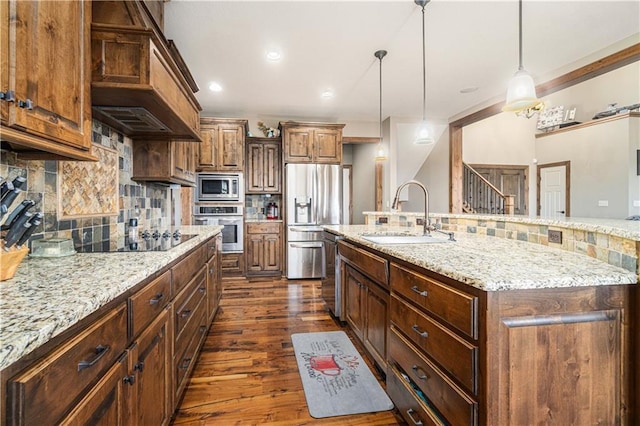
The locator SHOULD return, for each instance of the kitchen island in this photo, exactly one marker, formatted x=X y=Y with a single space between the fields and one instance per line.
x=55 y=310
x=488 y=330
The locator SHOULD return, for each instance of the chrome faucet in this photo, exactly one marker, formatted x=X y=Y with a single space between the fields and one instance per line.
x=426 y=224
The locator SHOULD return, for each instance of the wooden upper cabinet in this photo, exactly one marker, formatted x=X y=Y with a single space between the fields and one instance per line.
x=45 y=64
x=140 y=84
x=165 y=161
x=222 y=146
x=312 y=142
x=263 y=173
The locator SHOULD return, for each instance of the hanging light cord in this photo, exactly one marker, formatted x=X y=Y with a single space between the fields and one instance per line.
x=381 y=98
x=424 y=71
x=520 y=34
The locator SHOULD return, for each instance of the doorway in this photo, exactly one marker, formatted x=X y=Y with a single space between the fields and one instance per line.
x=510 y=180
x=553 y=190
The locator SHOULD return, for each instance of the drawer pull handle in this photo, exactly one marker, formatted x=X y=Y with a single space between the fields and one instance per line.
x=410 y=412
x=100 y=352
x=185 y=313
x=156 y=299
x=421 y=376
x=420 y=292
x=185 y=363
x=417 y=330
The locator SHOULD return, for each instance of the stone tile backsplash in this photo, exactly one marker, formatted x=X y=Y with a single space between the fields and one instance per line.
x=612 y=249
x=96 y=233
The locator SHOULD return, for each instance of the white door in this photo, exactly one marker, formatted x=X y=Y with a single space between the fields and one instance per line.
x=553 y=191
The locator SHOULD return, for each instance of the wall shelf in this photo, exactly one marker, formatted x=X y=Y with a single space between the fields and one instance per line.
x=589 y=123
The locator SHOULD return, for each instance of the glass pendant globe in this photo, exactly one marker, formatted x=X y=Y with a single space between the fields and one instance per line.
x=423 y=135
x=521 y=93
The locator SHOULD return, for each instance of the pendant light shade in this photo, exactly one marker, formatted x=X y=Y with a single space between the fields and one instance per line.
x=423 y=134
x=521 y=93
x=380 y=152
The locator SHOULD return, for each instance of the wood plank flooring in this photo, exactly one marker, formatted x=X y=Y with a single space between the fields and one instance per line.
x=247 y=374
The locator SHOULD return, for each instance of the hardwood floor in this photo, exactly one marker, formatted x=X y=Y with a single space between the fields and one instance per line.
x=246 y=373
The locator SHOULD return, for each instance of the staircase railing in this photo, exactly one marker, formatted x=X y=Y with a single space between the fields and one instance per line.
x=480 y=196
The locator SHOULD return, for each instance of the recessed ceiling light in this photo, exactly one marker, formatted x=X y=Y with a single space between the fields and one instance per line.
x=215 y=87
x=469 y=89
x=273 y=55
x=327 y=94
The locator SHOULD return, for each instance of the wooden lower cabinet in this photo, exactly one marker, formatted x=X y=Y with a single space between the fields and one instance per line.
x=263 y=249
x=127 y=366
x=457 y=355
x=367 y=313
x=108 y=402
x=150 y=361
x=214 y=279
x=232 y=264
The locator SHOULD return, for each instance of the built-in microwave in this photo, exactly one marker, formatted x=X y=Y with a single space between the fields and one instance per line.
x=220 y=187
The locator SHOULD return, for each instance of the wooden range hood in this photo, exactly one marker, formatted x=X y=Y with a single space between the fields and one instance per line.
x=139 y=83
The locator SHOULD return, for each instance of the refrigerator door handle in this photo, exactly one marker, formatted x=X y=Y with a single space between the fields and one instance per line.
x=306 y=229
x=306 y=246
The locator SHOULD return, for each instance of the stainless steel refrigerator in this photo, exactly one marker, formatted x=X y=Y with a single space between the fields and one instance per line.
x=314 y=198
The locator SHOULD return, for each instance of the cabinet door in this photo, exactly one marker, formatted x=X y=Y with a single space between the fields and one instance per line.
x=106 y=404
x=230 y=148
x=271 y=169
x=213 y=289
x=208 y=154
x=151 y=365
x=47 y=62
x=271 y=251
x=355 y=292
x=298 y=145
x=376 y=323
x=255 y=167
x=327 y=146
x=183 y=161
x=255 y=252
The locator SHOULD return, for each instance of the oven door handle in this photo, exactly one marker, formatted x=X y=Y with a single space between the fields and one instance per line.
x=306 y=246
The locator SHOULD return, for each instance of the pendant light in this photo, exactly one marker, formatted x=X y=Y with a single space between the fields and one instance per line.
x=521 y=93
x=380 y=155
x=423 y=135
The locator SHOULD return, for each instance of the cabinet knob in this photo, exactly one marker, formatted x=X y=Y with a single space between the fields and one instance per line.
x=26 y=104
x=8 y=96
x=130 y=379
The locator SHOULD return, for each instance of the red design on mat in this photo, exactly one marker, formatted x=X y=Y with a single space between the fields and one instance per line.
x=325 y=364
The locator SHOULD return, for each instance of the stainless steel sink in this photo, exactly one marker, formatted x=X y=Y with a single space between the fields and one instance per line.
x=403 y=239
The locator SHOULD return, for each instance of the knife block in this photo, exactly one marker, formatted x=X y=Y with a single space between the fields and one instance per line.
x=10 y=260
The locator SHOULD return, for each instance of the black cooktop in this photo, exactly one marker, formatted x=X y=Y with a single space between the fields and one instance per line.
x=155 y=242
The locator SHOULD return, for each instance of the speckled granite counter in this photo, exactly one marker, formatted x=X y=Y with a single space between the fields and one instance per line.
x=495 y=264
x=47 y=296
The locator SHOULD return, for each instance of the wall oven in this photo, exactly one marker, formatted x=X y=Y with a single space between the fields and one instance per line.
x=220 y=187
x=229 y=216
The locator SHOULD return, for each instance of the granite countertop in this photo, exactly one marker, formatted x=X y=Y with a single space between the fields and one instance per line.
x=495 y=264
x=49 y=295
x=619 y=227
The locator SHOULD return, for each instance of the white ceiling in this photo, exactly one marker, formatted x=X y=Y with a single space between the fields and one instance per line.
x=330 y=45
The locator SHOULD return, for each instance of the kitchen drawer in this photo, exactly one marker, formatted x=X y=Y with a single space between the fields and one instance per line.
x=187 y=302
x=456 y=308
x=187 y=268
x=457 y=356
x=373 y=266
x=413 y=410
x=186 y=355
x=263 y=228
x=454 y=405
x=147 y=303
x=44 y=392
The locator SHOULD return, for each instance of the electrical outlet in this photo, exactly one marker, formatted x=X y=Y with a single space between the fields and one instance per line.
x=603 y=203
x=419 y=221
x=382 y=220
x=554 y=236
x=636 y=203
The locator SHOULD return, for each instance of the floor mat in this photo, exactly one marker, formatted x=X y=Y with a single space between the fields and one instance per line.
x=335 y=378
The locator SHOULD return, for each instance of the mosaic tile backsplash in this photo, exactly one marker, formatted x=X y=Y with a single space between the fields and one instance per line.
x=149 y=202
